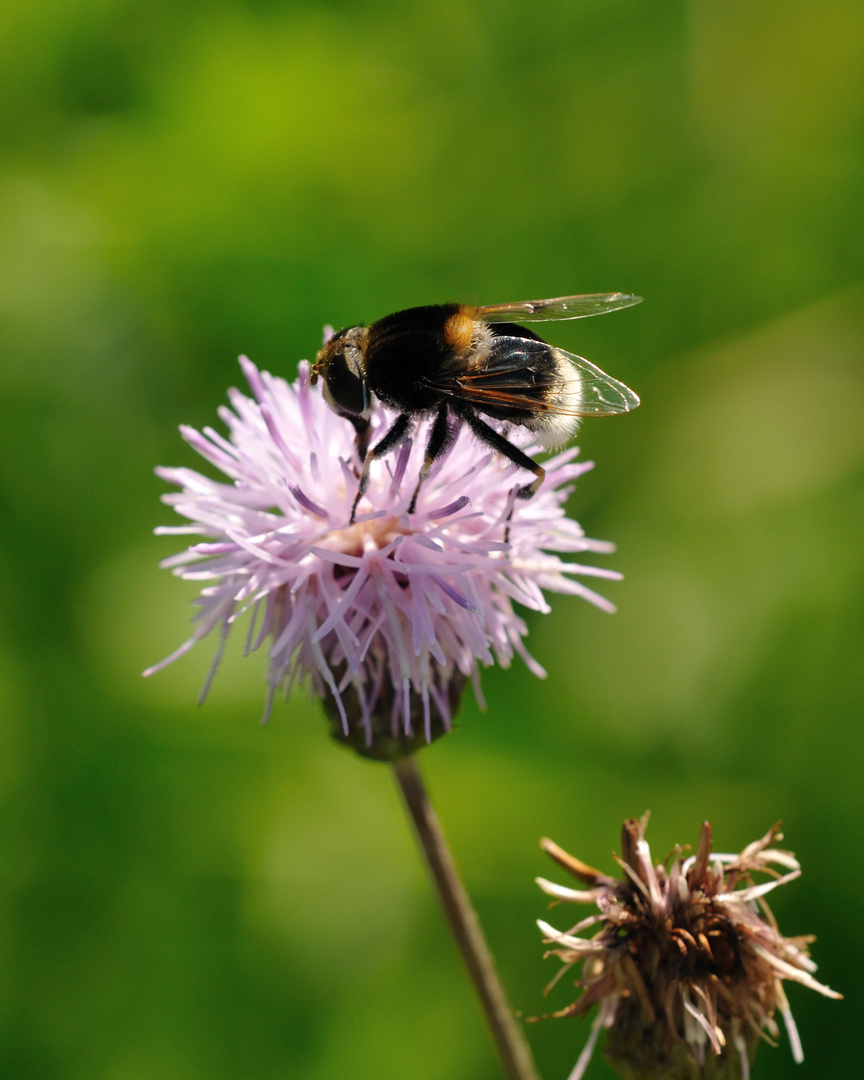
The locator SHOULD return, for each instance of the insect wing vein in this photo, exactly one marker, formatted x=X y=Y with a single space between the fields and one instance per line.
x=560 y=307
x=600 y=394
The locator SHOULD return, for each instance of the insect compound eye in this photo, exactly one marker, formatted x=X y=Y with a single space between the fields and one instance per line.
x=347 y=390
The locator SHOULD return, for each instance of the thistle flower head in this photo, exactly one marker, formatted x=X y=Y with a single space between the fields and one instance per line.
x=686 y=962
x=387 y=617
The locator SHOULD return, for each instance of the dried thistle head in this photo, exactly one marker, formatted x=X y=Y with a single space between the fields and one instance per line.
x=686 y=962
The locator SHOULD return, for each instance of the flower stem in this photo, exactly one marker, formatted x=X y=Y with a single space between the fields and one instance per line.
x=465 y=926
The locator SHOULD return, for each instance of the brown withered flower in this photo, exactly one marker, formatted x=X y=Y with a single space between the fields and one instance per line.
x=686 y=963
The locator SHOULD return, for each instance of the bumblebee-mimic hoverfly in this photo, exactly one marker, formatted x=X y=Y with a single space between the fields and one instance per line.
x=455 y=361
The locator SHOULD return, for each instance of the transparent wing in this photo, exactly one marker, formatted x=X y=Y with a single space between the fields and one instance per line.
x=599 y=393
x=561 y=307
x=523 y=375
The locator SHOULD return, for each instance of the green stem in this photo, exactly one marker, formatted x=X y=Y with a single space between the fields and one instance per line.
x=465 y=926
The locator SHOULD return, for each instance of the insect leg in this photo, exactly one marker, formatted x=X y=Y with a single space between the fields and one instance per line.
x=491 y=437
x=397 y=434
x=364 y=429
x=440 y=440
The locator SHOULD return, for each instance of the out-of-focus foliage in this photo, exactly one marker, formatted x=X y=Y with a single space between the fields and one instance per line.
x=187 y=896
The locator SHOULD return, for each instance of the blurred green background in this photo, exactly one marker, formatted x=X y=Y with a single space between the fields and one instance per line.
x=185 y=895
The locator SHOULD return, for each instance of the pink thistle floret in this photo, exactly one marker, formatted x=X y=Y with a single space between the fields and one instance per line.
x=394 y=610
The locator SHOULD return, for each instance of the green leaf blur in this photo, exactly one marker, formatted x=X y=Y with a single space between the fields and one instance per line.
x=184 y=895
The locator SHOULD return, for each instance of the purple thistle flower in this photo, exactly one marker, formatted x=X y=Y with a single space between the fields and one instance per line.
x=389 y=617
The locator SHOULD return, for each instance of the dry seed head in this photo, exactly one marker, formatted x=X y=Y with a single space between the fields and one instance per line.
x=686 y=962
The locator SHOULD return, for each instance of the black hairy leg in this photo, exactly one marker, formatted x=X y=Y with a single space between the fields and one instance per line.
x=491 y=437
x=363 y=427
x=397 y=434
x=440 y=440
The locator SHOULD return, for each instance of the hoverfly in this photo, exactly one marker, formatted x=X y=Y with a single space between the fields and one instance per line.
x=458 y=361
